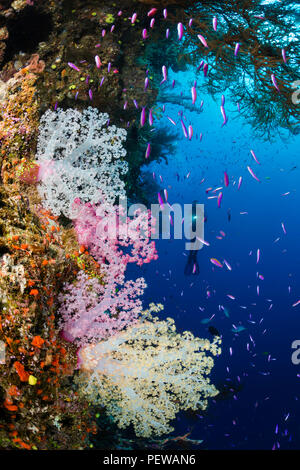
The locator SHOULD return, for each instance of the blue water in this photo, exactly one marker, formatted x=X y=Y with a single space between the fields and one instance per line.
x=269 y=386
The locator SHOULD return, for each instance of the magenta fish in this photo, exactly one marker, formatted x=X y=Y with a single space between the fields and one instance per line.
x=151 y=117
x=236 y=49
x=148 y=151
x=194 y=94
x=240 y=182
x=202 y=241
x=227 y=265
x=220 y=195
x=171 y=120
x=254 y=156
x=98 y=62
x=143 y=117
x=180 y=31
x=252 y=173
x=223 y=114
x=190 y=132
x=152 y=12
x=273 y=78
x=161 y=203
x=226 y=179
x=133 y=18
x=215 y=23
x=283 y=55
x=145 y=33
x=184 y=128
x=202 y=40
x=73 y=66
x=216 y=262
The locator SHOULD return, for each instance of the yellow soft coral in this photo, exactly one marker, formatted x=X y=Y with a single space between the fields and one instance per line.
x=147 y=373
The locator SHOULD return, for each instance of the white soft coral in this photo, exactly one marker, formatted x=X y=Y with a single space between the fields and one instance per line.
x=147 y=373
x=78 y=154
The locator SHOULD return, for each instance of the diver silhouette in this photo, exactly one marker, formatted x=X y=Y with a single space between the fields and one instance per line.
x=192 y=266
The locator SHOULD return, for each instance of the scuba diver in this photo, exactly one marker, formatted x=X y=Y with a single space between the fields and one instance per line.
x=192 y=266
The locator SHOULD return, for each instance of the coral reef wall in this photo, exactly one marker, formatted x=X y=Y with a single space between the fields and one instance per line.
x=70 y=84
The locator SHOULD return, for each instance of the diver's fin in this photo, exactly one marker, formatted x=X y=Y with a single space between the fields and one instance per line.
x=196 y=269
x=188 y=268
x=192 y=266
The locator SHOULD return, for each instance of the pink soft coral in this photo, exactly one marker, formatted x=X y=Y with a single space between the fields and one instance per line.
x=91 y=311
x=113 y=238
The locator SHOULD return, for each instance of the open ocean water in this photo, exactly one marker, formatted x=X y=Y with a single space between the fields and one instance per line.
x=259 y=406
